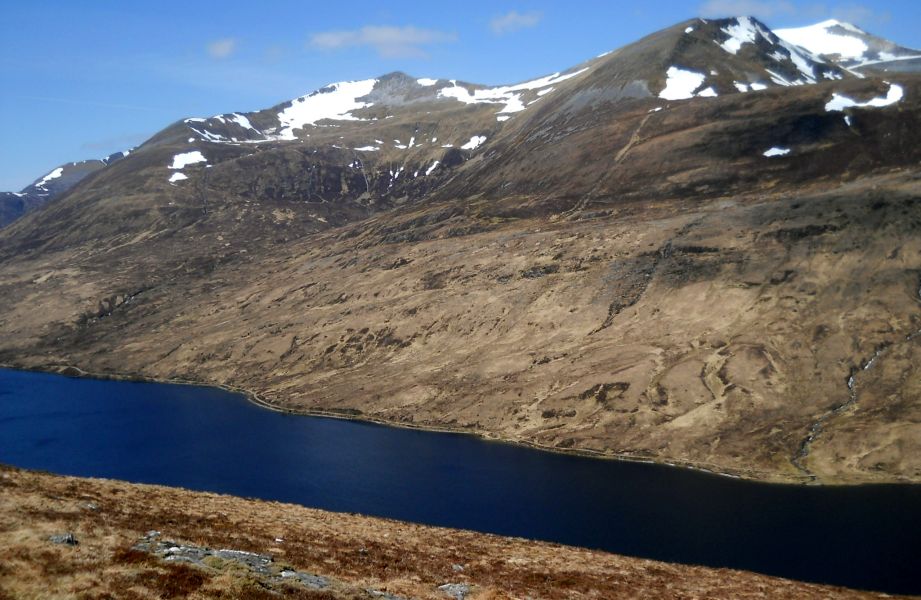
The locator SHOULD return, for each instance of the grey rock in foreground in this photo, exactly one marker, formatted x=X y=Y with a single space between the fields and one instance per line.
x=458 y=591
x=64 y=538
x=261 y=564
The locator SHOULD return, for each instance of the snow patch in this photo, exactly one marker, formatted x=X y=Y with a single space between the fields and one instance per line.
x=49 y=177
x=180 y=161
x=507 y=95
x=513 y=105
x=839 y=102
x=177 y=177
x=426 y=82
x=780 y=79
x=804 y=64
x=432 y=168
x=474 y=143
x=335 y=101
x=681 y=84
x=707 y=93
x=242 y=121
x=776 y=151
x=205 y=134
x=743 y=31
x=367 y=149
x=749 y=87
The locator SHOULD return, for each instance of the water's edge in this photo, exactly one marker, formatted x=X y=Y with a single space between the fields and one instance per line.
x=221 y=439
x=254 y=398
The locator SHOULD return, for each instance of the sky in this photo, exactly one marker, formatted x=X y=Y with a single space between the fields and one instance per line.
x=82 y=79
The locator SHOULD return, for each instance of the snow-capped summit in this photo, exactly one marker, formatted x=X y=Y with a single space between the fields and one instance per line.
x=715 y=57
x=740 y=31
x=852 y=47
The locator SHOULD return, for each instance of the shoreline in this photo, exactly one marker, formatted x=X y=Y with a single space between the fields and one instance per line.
x=254 y=398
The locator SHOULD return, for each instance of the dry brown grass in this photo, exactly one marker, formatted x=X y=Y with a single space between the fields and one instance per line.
x=356 y=552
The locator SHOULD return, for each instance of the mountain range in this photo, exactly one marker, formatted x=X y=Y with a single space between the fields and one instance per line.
x=701 y=248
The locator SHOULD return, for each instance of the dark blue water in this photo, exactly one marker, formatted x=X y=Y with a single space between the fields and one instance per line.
x=207 y=439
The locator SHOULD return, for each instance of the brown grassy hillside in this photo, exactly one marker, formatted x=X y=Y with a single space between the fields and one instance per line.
x=359 y=557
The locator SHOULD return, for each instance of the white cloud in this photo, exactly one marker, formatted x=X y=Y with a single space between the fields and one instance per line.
x=222 y=48
x=513 y=21
x=389 y=42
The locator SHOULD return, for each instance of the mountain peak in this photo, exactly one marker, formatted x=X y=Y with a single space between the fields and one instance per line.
x=850 y=46
x=829 y=23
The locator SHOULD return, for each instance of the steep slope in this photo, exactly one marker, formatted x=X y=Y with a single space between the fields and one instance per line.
x=853 y=48
x=52 y=185
x=682 y=250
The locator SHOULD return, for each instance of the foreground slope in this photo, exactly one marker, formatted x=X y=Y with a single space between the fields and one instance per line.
x=349 y=555
x=686 y=250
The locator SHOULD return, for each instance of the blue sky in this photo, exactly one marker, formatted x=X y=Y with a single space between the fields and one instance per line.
x=84 y=79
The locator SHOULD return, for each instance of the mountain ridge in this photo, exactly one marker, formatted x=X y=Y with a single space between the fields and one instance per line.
x=731 y=34
x=244 y=129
